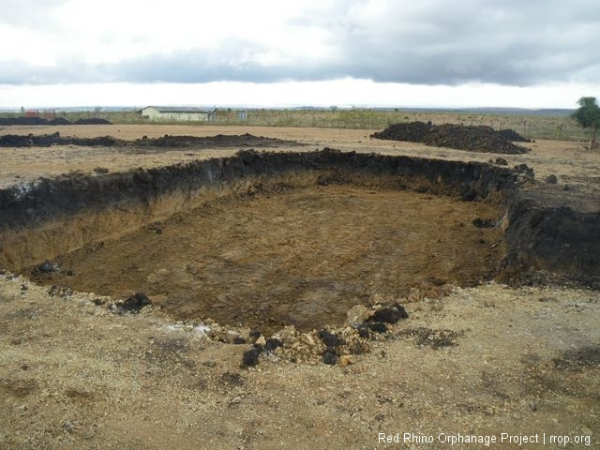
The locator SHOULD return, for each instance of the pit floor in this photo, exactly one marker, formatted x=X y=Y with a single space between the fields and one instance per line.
x=302 y=257
x=76 y=376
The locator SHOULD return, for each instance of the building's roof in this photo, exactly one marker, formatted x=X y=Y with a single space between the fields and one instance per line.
x=179 y=109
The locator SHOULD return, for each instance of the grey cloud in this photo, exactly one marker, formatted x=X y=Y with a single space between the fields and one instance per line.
x=438 y=42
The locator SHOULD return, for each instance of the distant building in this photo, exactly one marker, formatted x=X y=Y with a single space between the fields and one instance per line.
x=176 y=114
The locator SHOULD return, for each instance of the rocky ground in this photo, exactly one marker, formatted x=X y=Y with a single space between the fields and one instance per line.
x=78 y=371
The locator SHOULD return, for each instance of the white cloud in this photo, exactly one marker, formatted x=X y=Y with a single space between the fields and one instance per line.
x=462 y=44
x=342 y=92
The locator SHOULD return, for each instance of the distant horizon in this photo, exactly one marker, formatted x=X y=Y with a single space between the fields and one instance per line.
x=342 y=93
x=120 y=108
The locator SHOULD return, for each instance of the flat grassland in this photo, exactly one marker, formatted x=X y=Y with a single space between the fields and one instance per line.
x=520 y=361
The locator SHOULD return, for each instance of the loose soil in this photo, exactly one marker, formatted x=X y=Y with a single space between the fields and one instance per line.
x=302 y=257
x=473 y=138
x=513 y=136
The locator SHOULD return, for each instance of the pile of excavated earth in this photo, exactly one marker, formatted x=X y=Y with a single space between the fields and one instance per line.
x=7 y=121
x=165 y=142
x=474 y=138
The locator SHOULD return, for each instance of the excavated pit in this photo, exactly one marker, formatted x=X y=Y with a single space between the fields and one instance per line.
x=264 y=240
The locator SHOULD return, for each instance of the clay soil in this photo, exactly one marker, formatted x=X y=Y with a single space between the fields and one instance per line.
x=302 y=258
x=480 y=361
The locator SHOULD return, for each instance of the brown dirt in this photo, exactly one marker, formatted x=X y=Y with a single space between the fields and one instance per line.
x=326 y=249
x=74 y=375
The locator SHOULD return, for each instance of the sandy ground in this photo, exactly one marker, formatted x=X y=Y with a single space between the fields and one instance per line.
x=567 y=160
x=485 y=363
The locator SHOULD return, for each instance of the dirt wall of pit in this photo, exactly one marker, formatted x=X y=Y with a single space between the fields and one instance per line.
x=550 y=245
x=51 y=217
x=56 y=216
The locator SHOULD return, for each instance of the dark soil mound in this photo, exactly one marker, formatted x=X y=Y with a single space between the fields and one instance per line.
x=11 y=140
x=218 y=141
x=59 y=121
x=146 y=145
x=23 y=121
x=104 y=141
x=474 y=138
x=47 y=140
x=56 y=121
x=44 y=140
x=512 y=135
x=411 y=132
x=92 y=121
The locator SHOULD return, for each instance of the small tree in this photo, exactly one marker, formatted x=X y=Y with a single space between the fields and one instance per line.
x=588 y=116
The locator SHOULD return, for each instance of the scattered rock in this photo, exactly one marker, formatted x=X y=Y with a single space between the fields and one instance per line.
x=390 y=315
x=329 y=339
x=48 y=267
x=238 y=340
x=62 y=292
x=272 y=344
x=254 y=335
x=307 y=339
x=551 y=179
x=346 y=360
x=359 y=314
x=378 y=327
x=250 y=357
x=136 y=302
x=236 y=400
x=330 y=358
x=481 y=223
x=525 y=170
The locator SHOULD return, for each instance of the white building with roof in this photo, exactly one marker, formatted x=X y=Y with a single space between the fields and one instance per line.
x=176 y=114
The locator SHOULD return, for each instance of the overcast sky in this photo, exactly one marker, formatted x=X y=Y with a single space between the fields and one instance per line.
x=525 y=53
